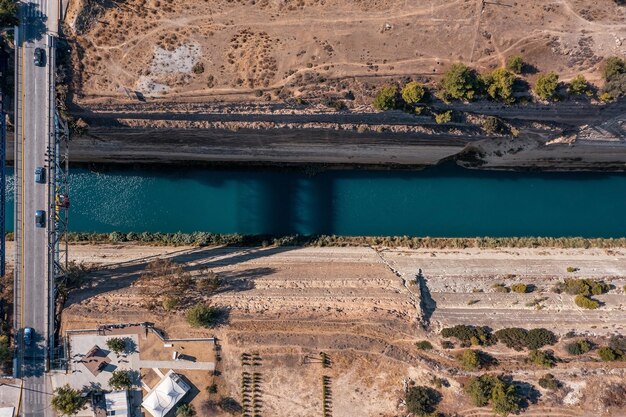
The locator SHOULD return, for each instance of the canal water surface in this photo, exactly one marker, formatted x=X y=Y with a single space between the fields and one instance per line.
x=443 y=201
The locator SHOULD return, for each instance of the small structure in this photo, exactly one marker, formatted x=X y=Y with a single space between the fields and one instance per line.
x=165 y=395
x=95 y=360
x=7 y=411
x=117 y=404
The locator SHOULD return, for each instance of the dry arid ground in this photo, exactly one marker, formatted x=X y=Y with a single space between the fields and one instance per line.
x=362 y=308
x=190 y=50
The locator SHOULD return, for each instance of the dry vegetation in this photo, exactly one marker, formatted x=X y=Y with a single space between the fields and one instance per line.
x=312 y=48
x=349 y=319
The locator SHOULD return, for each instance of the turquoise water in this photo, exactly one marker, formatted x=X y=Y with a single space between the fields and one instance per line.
x=442 y=201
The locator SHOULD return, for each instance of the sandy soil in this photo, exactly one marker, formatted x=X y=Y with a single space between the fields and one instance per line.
x=361 y=307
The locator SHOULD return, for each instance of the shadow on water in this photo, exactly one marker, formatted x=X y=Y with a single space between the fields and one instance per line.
x=33 y=22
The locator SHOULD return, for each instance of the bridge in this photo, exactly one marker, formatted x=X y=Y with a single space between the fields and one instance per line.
x=39 y=260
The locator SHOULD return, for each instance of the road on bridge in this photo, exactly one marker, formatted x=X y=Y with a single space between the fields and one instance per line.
x=34 y=106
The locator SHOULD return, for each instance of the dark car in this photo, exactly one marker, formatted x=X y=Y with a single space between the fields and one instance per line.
x=40 y=175
x=28 y=336
x=40 y=57
x=40 y=218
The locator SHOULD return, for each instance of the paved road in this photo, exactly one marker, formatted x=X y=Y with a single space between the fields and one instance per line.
x=33 y=98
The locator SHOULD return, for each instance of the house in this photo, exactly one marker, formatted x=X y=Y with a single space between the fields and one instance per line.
x=165 y=395
x=116 y=404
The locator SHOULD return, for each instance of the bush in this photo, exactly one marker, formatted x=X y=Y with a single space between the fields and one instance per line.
x=518 y=338
x=538 y=338
x=613 y=66
x=578 y=347
x=423 y=345
x=202 y=315
x=504 y=399
x=499 y=85
x=541 y=358
x=67 y=401
x=121 y=380
x=572 y=269
x=584 y=286
x=548 y=381
x=546 y=85
x=445 y=117
x=479 y=389
x=500 y=287
x=116 y=344
x=230 y=405
x=579 y=85
x=461 y=82
x=520 y=288
x=583 y=301
x=446 y=344
x=413 y=93
x=386 y=98
x=466 y=333
x=198 y=68
x=470 y=360
x=422 y=400
x=608 y=355
x=614 y=88
x=493 y=124
x=169 y=303
x=185 y=410
x=515 y=63
x=618 y=343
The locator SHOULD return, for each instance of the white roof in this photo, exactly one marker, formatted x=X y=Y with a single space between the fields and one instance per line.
x=168 y=392
x=7 y=411
x=116 y=404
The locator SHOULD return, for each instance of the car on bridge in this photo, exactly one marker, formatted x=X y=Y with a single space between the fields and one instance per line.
x=40 y=218
x=40 y=57
x=28 y=336
x=40 y=175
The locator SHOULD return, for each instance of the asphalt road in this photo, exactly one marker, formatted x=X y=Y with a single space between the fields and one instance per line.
x=32 y=136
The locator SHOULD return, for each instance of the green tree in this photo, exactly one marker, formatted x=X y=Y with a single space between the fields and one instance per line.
x=546 y=85
x=500 y=85
x=470 y=359
x=203 y=315
x=588 y=303
x=578 y=347
x=548 y=381
x=116 y=344
x=386 y=98
x=423 y=345
x=520 y=288
x=541 y=358
x=413 y=92
x=608 y=355
x=579 y=85
x=515 y=63
x=479 y=389
x=67 y=401
x=461 y=82
x=8 y=13
x=613 y=66
x=445 y=117
x=185 y=410
x=421 y=400
x=504 y=400
x=493 y=124
x=121 y=380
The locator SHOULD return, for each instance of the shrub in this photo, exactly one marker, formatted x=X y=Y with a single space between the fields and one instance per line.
x=67 y=401
x=465 y=333
x=445 y=117
x=541 y=358
x=584 y=286
x=515 y=63
x=499 y=85
x=546 y=85
x=578 y=347
x=230 y=405
x=513 y=337
x=121 y=380
x=605 y=97
x=479 y=389
x=504 y=399
x=579 y=85
x=446 y=344
x=608 y=355
x=198 y=68
x=500 y=287
x=613 y=66
x=572 y=269
x=413 y=93
x=538 y=338
x=614 y=88
x=169 y=303
x=185 y=410
x=470 y=360
x=116 y=344
x=212 y=389
x=493 y=124
x=386 y=98
x=461 y=82
x=422 y=400
x=548 y=381
x=424 y=345
x=583 y=301
x=618 y=343
x=520 y=288
x=202 y=315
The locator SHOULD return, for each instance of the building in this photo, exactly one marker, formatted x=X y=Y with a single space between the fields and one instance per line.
x=116 y=404
x=165 y=395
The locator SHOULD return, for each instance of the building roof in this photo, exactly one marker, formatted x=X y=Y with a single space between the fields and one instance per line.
x=7 y=411
x=95 y=360
x=117 y=403
x=165 y=395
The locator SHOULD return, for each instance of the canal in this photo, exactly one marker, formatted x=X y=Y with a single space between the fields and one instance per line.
x=443 y=201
